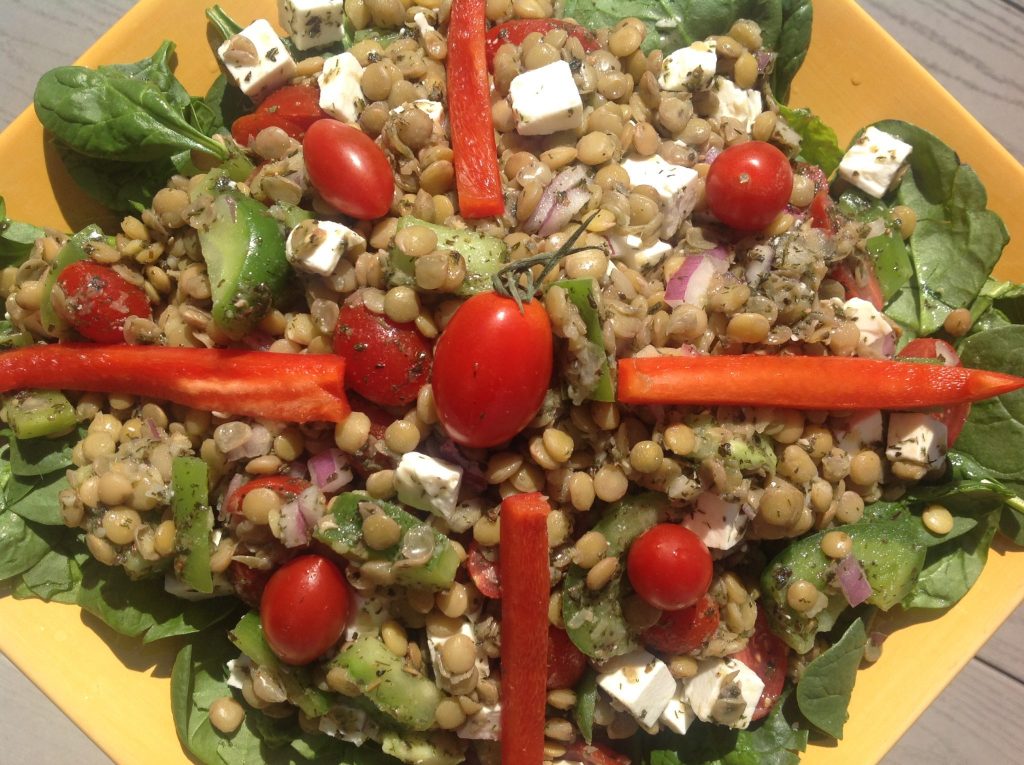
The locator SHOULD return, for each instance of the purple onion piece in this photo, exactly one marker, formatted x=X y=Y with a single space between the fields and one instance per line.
x=565 y=180
x=691 y=282
x=764 y=59
x=852 y=581
x=237 y=482
x=293 y=525
x=712 y=154
x=329 y=470
x=446 y=449
x=566 y=205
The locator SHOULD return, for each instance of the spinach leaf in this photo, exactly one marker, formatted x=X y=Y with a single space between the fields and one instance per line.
x=818 y=142
x=952 y=568
x=1011 y=524
x=156 y=70
x=823 y=693
x=226 y=103
x=40 y=456
x=998 y=304
x=55 y=577
x=586 y=701
x=121 y=186
x=16 y=238
x=21 y=546
x=892 y=260
x=794 y=41
x=37 y=498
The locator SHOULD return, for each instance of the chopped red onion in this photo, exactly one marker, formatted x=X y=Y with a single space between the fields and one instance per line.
x=712 y=154
x=311 y=505
x=293 y=525
x=852 y=581
x=154 y=431
x=566 y=206
x=764 y=59
x=329 y=470
x=236 y=483
x=555 y=201
x=258 y=444
x=759 y=262
x=690 y=284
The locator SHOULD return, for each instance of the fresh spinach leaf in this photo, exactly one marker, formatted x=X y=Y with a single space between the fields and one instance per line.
x=892 y=262
x=818 y=143
x=794 y=41
x=998 y=304
x=226 y=102
x=21 y=545
x=121 y=186
x=56 y=577
x=16 y=238
x=38 y=498
x=823 y=693
x=1011 y=524
x=41 y=456
x=155 y=69
x=586 y=702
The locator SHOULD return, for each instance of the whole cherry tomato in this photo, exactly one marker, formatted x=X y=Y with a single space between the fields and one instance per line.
x=685 y=630
x=748 y=185
x=953 y=417
x=385 y=362
x=566 y=662
x=96 y=300
x=768 y=656
x=492 y=367
x=669 y=566
x=304 y=608
x=349 y=170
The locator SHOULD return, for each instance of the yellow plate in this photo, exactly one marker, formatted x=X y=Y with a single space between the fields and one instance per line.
x=118 y=691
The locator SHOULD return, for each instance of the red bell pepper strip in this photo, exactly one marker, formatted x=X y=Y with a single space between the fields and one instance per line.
x=525 y=587
x=278 y=386
x=805 y=382
x=477 y=176
x=517 y=30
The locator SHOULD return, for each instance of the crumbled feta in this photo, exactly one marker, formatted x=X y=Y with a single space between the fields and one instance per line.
x=874 y=162
x=370 y=612
x=676 y=186
x=485 y=725
x=421 y=22
x=427 y=483
x=736 y=103
x=631 y=251
x=916 y=437
x=318 y=246
x=256 y=60
x=724 y=691
x=348 y=724
x=640 y=683
x=432 y=109
x=877 y=336
x=341 y=92
x=445 y=679
x=238 y=671
x=718 y=523
x=312 y=23
x=690 y=68
x=862 y=430
x=546 y=100
x=678 y=716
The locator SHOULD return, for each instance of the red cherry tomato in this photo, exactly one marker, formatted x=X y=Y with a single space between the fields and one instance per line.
x=595 y=754
x=304 y=608
x=748 y=185
x=859 y=281
x=492 y=367
x=284 y=485
x=566 y=662
x=669 y=566
x=248 y=126
x=516 y=31
x=386 y=362
x=768 y=656
x=348 y=169
x=952 y=417
x=822 y=210
x=685 y=630
x=249 y=583
x=298 y=103
x=96 y=300
x=484 y=572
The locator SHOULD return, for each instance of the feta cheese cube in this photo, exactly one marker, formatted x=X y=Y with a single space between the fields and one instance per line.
x=678 y=716
x=862 y=430
x=256 y=60
x=433 y=109
x=690 y=68
x=238 y=671
x=370 y=612
x=631 y=251
x=724 y=691
x=317 y=246
x=546 y=100
x=874 y=162
x=485 y=725
x=736 y=103
x=341 y=94
x=718 y=523
x=676 y=186
x=312 y=23
x=640 y=683
x=877 y=336
x=427 y=483
x=916 y=437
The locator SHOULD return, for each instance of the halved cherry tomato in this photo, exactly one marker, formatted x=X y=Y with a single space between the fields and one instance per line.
x=492 y=367
x=349 y=170
x=484 y=572
x=669 y=566
x=953 y=417
x=292 y=108
x=768 y=656
x=822 y=211
x=566 y=662
x=859 y=281
x=594 y=754
x=248 y=126
x=516 y=31
x=96 y=300
x=685 y=630
x=304 y=608
x=284 y=485
x=385 y=362
x=748 y=185
x=249 y=582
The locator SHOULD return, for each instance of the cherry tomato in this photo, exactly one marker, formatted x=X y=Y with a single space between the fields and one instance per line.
x=96 y=300
x=566 y=662
x=249 y=583
x=748 y=185
x=386 y=362
x=595 y=754
x=953 y=417
x=768 y=656
x=298 y=103
x=284 y=485
x=685 y=630
x=304 y=608
x=516 y=31
x=669 y=566
x=248 y=126
x=822 y=210
x=859 y=281
x=348 y=169
x=484 y=572
x=492 y=367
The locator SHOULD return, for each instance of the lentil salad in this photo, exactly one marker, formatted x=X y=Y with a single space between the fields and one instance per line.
x=631 y=466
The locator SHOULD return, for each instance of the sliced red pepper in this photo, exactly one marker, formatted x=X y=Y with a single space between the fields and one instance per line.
x=595 y=754
x=517 y=30
x=285 y=485
x=954 y=416
x=805 y=382
x=525 y=587
x=477 y=175
x=278 y=386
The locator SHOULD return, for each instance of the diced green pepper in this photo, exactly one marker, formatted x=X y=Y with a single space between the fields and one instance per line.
x=484 y=256
x=76 y=248
x=193 y=522
x=11 y=337
x=434 y=748
x=588 y=373
x=38 y=413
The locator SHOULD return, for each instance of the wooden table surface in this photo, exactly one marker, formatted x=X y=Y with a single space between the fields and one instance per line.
x=975 y=48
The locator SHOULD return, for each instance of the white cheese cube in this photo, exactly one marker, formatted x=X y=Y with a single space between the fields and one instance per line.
x=736 y=103
x=341 y=94
x=862 y=430
x=916 y=437
x=690 y=68
x=270 y=68
x=370 y=612
x=631 y=251
x=348 y=724
x=432 y=109
x=724 y=691
x=317 y=246
x=485 y=725
x=427 y=483
x=238 y=671
x=676 y=186
x=678 y=716
x=546 y=100
x=718 y=523
x=312 y=23
x=877 y=337
x=640 y=683
x=874 y=161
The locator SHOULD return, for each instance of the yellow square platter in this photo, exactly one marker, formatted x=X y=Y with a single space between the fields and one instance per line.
x=118 y=691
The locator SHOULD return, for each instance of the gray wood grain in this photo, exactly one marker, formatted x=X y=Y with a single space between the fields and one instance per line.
x=974 y=47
